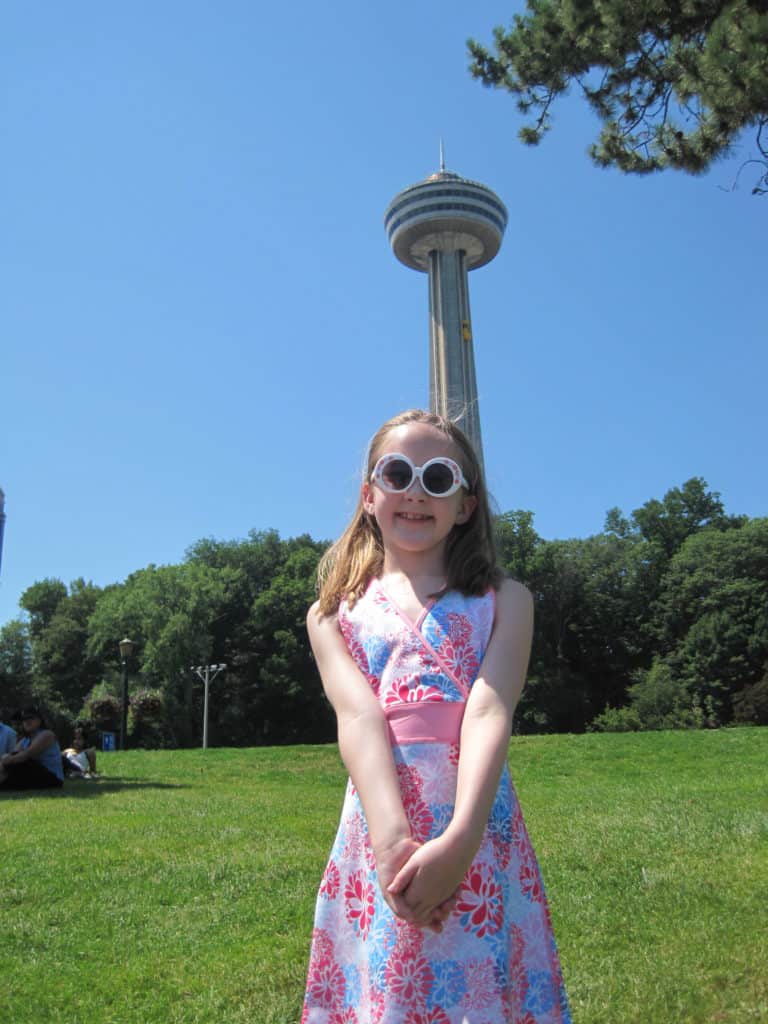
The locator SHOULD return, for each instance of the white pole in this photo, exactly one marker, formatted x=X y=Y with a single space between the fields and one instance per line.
x=205 y=707
x=204 y=673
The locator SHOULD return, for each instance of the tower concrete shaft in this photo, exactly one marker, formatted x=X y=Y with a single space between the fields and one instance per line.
x=452 y=380
x=446 y=226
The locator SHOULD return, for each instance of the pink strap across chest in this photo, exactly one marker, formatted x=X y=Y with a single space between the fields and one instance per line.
x=425 y=722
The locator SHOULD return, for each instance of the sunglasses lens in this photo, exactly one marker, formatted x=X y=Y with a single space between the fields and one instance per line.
x=438 y=478
x=396 y=475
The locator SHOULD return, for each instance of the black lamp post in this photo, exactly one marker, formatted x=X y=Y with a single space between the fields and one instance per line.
x=126 y=650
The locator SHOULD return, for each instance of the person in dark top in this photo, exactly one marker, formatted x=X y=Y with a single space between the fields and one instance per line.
x=36 y=761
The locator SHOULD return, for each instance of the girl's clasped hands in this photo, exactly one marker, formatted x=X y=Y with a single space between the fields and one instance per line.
x=420 y=881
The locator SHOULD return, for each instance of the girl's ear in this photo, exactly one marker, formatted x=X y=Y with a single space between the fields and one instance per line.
x=368 y=503
x=466 y=508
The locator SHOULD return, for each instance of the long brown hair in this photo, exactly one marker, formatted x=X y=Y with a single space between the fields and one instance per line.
x=347 y=566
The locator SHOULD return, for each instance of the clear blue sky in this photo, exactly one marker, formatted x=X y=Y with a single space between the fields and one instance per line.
x=202 y=322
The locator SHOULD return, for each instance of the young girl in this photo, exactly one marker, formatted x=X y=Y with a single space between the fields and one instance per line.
x=431 y=909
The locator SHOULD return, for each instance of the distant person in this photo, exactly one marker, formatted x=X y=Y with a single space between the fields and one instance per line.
x=80 y=759
x=35 y=763
x=8 y=739
x=431 y=907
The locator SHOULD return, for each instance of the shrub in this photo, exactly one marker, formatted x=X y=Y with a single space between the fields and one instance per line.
x=102 y=708
x=617 y=720
x=750 y=705
x=658 y=701
x=146 y=718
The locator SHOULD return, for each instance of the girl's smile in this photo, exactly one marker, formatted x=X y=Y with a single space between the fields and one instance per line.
x=413 y=521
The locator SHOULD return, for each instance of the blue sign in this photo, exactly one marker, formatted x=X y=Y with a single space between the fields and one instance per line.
x=107 y=741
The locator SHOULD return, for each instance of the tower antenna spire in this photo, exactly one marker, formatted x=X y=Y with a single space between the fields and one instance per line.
x=442 y=156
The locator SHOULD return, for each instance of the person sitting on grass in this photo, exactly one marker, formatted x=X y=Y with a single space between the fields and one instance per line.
x=35 y=763
x=79 y=760
x=8 y=738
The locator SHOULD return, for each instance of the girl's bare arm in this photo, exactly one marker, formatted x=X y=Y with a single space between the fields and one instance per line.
x=367 y=754
x=41 y=742
x=435 y=871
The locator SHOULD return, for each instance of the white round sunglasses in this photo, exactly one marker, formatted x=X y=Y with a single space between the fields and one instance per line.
x=439 y=478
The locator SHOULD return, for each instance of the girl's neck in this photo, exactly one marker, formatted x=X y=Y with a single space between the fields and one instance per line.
x=421 y=570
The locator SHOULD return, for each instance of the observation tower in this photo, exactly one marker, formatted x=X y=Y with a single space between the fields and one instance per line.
x=446 y=226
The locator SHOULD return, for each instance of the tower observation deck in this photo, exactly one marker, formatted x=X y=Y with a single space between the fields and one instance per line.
x=446 y=226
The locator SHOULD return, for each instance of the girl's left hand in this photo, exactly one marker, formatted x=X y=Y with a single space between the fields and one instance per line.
x=431 y=877
x=390 y=864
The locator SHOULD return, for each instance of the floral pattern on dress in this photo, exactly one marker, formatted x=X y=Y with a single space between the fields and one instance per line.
x=495 y=962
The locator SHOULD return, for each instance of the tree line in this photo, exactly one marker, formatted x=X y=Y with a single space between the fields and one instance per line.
x=659 y=621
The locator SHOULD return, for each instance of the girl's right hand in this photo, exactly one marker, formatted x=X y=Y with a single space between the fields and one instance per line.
x=389 y=861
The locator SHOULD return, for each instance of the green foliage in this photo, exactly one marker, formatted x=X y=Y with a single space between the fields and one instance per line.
x=517 y=542
x=63 y=668
x=618 y=720
x=711 y=616
x=41 y=601
x=684 y=511
x=16 y=686
x=678 y=587
x=608 y=605
x=238 y=603
x=658 y=701
x=146 y=719
x=658 y=697
x=673 y=83
x=169 y=612
x=750 y=705
x=590 y=600
x=291 y=698
x=102 y=708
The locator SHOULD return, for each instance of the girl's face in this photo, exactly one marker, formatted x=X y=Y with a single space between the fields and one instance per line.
x=414 y=521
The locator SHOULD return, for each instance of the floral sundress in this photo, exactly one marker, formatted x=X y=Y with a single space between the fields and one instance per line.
x=495 y=962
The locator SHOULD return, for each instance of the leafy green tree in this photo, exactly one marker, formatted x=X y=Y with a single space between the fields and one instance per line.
x=270 y=692
x=657 y=701
x=146 y=719
x=616 y=523
x=674 y=82
x=62 y=671
x=40 y=601
x=683 y=511
x=516 y=542
x=101 y=708
x=286 y=697
x=711 y=619
x=169 y=612
x=588 y=640
x=555 y=690
x=16 y=685
x=750 y=705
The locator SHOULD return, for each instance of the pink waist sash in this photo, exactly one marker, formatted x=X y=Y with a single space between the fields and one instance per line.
x=425 y=722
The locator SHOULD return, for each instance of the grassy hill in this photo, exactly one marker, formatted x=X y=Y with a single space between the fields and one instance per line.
x=179 y=888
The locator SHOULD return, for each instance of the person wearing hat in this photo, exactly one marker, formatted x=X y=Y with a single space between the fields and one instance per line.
x=36 y=761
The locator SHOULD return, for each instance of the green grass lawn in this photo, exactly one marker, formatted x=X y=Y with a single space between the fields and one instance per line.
x=180 y=887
